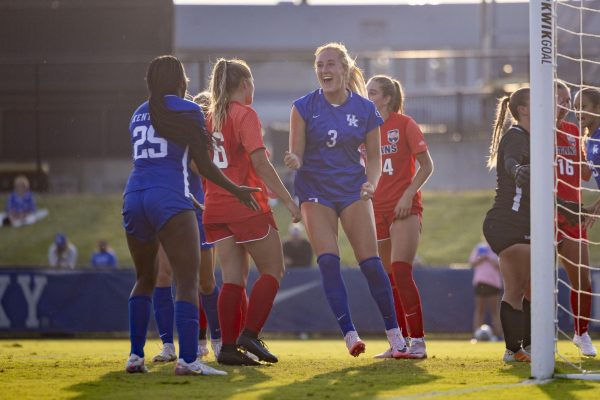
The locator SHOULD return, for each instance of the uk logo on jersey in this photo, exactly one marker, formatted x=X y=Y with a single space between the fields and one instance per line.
x=352 y=120
x=595 y=149
x=393 y=135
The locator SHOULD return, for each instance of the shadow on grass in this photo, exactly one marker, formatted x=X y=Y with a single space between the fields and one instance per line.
x=161 y=383
x=360 y=382
x=560 y=388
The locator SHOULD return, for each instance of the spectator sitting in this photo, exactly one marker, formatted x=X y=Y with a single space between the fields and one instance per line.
x=104 y=257
x=62 y=253
x=297 y=251
x=20 y=207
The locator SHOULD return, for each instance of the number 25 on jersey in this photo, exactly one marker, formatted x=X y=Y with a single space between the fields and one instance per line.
x=146 y=143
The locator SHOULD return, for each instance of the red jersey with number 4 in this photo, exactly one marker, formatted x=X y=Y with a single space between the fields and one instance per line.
x=240 y=136
x=401 y=140
x=569 y=155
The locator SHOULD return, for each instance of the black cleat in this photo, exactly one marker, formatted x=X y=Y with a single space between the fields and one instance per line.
x=235 y=357
x=256 y=346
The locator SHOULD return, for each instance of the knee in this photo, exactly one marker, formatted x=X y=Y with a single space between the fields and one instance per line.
x=207 y=286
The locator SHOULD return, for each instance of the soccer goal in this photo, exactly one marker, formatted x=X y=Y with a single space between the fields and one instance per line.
x=564 y=43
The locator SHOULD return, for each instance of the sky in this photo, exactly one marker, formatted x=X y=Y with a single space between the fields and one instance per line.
x=336 y=2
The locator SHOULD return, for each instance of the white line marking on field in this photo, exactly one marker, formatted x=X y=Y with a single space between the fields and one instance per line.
x=453 y=392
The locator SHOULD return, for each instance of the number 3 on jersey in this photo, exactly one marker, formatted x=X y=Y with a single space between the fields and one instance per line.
x=387 y=167
x=219 y=156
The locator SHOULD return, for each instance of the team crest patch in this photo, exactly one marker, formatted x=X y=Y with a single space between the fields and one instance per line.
x=572 y=141
x=393 y=135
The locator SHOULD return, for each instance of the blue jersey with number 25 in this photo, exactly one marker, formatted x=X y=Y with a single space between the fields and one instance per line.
x=158 y=162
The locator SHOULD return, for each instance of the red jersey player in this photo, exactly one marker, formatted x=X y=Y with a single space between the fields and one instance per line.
x=397 y=204
x=239 y=151
x=572 y=245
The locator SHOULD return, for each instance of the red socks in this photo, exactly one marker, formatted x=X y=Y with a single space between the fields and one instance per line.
x=581 y=305
x=230 y=311
x=398 y=306
x=261 y=301
x=409 y=295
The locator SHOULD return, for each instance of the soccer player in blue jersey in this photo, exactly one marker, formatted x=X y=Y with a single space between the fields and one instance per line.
x=162 y=299
x=165 y=131
x=327 y=127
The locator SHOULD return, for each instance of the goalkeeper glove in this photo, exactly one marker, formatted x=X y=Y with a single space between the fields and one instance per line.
x=521 y=175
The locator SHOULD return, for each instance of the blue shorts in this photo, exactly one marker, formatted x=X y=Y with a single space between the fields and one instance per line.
x=203 y=244
x=145 y=212
x=308 y=188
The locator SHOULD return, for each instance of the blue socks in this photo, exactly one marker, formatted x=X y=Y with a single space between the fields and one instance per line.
x=139 y=315
x=335 y=290
x=164 y=312
x=186 y=320
x=209 y=303
x=381 y=290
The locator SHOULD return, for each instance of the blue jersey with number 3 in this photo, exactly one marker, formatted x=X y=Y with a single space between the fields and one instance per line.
x=331 y=162
x=158 y=162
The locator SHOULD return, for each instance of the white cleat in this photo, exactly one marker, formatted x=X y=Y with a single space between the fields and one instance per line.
x=202 y=349
x=216 y=346
x=195 y=368
x=167 y=354
x=354 y=344
x=417 y=349
x=135 y=364
x=520 y=356
x=386 y=354
x=584 y=342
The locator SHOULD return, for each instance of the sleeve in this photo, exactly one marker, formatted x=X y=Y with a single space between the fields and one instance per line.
x=374 y=118
x=415 y=137
x=250 y=132
x=302 y=106
x=115 y=260
x=515 y=151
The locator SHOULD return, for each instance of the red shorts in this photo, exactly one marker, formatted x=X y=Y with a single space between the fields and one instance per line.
x=566 y=231
x=249 y=230
x=385 y=219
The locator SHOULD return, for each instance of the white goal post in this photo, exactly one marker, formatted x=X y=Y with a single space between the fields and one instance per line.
x=542 y=65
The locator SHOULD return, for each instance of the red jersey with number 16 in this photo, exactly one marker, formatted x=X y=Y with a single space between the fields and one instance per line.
x=569 y=155
x=401 y=140
x=240 y=136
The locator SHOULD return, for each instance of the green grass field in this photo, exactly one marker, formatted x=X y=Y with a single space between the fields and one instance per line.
x=451 y=227
x=309 y=369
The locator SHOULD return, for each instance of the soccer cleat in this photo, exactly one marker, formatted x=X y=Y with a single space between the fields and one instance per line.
x=257 y=347
x=519 y=356
x=202 y=349
x=235 y=357
x=584 y=342
x=417 y=349
x=135 y=364
x=195 y=368
x=216 y=346
x=386 y=354
x=354 y=344
x=167 y=354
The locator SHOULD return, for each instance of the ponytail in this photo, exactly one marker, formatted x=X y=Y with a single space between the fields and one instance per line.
x=356 y=80
x=226 y=76
x=391 y=88
x=498 y=131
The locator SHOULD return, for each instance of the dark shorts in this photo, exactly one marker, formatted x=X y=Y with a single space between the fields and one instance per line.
x=485 y=290
x=502 y=230
x=146 y=211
